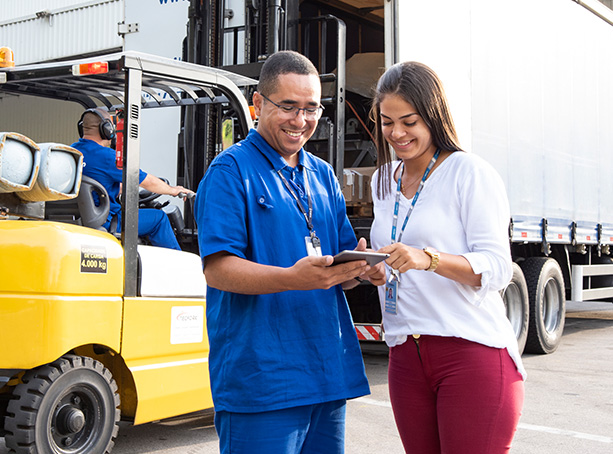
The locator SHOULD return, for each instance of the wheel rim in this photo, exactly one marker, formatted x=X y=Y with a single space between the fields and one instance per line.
x=76 y=420
x=511 y=297
x=551 y=306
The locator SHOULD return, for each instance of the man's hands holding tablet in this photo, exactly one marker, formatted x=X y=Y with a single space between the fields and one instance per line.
x=376 y=272
x=372 y=258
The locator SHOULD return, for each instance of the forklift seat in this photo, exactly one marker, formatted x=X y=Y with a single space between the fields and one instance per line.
x=90 y=208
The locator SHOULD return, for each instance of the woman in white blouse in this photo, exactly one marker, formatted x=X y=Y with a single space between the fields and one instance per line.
x=455 y=373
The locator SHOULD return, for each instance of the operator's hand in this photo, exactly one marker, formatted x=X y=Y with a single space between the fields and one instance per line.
x=376 y=274
x=180 y=191
x=316 y=273
x=404 y=258
x=158 y=186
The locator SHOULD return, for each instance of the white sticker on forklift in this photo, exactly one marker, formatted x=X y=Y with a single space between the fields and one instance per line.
x=93 y=259
x=187 y=324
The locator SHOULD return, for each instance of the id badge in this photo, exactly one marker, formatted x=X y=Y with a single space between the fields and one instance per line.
x=313 y=250
x=391 y=297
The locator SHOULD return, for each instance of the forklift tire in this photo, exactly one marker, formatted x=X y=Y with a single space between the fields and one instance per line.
x=547 y=304
x=68 y=406
x=516 y=302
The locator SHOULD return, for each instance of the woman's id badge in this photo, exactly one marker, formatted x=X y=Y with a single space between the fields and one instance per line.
x=391 y=296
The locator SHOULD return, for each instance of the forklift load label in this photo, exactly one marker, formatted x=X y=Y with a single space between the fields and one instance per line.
x=93 y=259
x=187 y=324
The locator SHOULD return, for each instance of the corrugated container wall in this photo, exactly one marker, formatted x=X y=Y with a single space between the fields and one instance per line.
x=42 y=30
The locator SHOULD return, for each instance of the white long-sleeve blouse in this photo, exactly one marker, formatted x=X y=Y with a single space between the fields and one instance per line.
x=462 y=209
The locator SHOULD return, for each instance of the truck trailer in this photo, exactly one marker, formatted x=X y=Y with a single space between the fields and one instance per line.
x=528 y=87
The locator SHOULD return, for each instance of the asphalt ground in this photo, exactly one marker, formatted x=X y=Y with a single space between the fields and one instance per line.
x=568 y=407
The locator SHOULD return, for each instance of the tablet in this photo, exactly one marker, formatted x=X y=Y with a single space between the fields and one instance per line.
x=348 y=256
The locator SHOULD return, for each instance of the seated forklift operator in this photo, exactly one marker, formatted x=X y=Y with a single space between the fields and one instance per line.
x=97 y=131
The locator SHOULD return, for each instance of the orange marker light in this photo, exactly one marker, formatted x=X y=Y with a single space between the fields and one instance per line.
x=99 y=67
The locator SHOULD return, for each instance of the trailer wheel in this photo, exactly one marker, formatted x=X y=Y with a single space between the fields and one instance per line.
x=66 y=407
x=516 y=302
x=547 y=304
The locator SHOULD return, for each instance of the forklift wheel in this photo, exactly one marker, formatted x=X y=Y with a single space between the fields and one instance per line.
x=68 y=406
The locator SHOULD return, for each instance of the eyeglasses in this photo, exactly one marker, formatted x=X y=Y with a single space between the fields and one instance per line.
x=291 y=112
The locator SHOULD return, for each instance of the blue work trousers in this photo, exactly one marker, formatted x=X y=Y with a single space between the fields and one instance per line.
x=310 y=429
x=154 y=225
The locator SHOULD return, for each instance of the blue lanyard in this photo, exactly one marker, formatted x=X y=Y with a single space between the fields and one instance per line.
x=307 y=216
x=415 y=197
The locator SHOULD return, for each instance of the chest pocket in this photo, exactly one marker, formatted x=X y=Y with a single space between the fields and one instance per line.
x=264 y=201
x=260 y=191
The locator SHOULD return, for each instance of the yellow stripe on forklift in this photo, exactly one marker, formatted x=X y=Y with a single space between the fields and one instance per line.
x=171 y=364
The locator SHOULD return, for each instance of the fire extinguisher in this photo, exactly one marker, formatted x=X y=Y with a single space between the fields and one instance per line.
x=119 y=139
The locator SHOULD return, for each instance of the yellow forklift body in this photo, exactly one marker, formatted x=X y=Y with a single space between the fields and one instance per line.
x=166 y=349
x=42 y=258
x=54 y=301
x=63 y=287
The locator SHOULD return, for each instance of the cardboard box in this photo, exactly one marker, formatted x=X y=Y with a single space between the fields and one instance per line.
x=356 y=185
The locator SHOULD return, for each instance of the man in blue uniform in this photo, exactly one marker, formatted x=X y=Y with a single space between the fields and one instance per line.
x=284 y=353
x=97 y=131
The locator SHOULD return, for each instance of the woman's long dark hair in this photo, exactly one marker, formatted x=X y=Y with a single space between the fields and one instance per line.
x=418 y=85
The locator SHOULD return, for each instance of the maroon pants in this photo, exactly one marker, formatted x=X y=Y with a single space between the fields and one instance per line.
x=453 y=396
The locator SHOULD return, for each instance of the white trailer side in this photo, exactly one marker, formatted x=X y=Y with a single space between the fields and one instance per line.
x=529 y=85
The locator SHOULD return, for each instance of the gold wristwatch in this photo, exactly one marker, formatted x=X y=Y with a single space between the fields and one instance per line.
x=434 y=256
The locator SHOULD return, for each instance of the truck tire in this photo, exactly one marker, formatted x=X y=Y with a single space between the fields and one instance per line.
x=516 y=301
x=66 y=407
x=547 y=304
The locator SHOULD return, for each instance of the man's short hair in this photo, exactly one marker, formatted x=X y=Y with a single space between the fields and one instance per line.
x=283 y=62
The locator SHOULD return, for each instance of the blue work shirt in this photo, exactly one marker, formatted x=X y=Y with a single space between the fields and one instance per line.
x=285 y=349
x=100 y=165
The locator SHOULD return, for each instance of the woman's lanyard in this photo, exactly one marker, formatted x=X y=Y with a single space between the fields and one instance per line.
x=308 y=216
x=395 y=274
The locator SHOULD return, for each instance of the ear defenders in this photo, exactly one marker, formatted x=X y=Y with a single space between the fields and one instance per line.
x=106 y=127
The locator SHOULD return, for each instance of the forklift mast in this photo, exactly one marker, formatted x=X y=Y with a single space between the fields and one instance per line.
x=270 y=26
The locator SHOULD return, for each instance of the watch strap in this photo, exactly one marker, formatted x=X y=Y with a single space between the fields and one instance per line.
x=434 y=258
